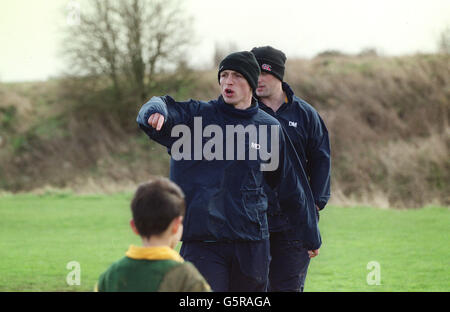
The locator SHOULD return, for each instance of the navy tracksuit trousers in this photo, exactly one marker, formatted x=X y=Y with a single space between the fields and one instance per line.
x=289 y=263
x=231 y=266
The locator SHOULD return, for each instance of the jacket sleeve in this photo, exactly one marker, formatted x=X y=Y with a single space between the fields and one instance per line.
x=184 y=278
x=319 y=161
x=294 y=195
x=175 y=113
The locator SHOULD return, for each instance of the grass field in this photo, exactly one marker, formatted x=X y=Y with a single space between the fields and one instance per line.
x=40 y=235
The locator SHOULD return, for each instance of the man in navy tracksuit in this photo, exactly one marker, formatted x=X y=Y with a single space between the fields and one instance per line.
x=309 y=135
x=221 y=163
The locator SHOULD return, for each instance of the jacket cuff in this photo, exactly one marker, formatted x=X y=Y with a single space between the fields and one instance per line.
x=321 y=204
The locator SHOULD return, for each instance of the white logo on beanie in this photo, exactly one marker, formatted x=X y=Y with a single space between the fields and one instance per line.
x=266 y=67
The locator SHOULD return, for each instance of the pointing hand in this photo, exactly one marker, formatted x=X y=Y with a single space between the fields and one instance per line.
x=156 y=121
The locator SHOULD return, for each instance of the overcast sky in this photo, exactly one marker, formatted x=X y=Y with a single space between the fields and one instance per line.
x=30 y=29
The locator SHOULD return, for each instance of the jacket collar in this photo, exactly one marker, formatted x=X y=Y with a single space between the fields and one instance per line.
x=288 y=90
x=153 y=253
x=240 y=113
x=290 y=97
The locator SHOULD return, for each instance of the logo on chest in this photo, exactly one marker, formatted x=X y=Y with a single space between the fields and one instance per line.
x=293 y=124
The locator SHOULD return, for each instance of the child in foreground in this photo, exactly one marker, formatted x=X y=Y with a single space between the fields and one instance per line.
x=157 y=208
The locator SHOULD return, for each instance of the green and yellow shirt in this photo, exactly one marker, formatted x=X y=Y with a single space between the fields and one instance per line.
x=152 y=269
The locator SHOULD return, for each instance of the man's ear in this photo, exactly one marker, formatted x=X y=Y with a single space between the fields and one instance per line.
x=176 y=223
x=133 y=227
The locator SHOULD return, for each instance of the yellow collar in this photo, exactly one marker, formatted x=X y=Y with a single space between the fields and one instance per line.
x=153 y=253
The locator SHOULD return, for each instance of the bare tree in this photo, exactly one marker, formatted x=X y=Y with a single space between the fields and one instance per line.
x=129 y=41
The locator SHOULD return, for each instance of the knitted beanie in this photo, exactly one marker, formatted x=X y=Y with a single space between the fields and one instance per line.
x=244 y=63
x=270 y=60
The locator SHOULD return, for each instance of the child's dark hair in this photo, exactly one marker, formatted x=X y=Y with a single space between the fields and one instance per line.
x=155 y=204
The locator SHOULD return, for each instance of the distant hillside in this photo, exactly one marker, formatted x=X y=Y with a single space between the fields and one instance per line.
x=387 y=118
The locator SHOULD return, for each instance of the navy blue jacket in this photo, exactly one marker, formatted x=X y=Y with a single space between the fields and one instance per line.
x=225 y=199
x=309 y=136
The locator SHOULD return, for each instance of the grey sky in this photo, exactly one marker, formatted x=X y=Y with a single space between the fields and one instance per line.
x=29 y=29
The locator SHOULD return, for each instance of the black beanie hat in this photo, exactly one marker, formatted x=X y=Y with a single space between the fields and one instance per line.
x=243 y=62
x=270 y=60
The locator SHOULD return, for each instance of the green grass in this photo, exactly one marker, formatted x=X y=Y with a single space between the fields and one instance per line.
x=411 y=246
x=40 y=235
